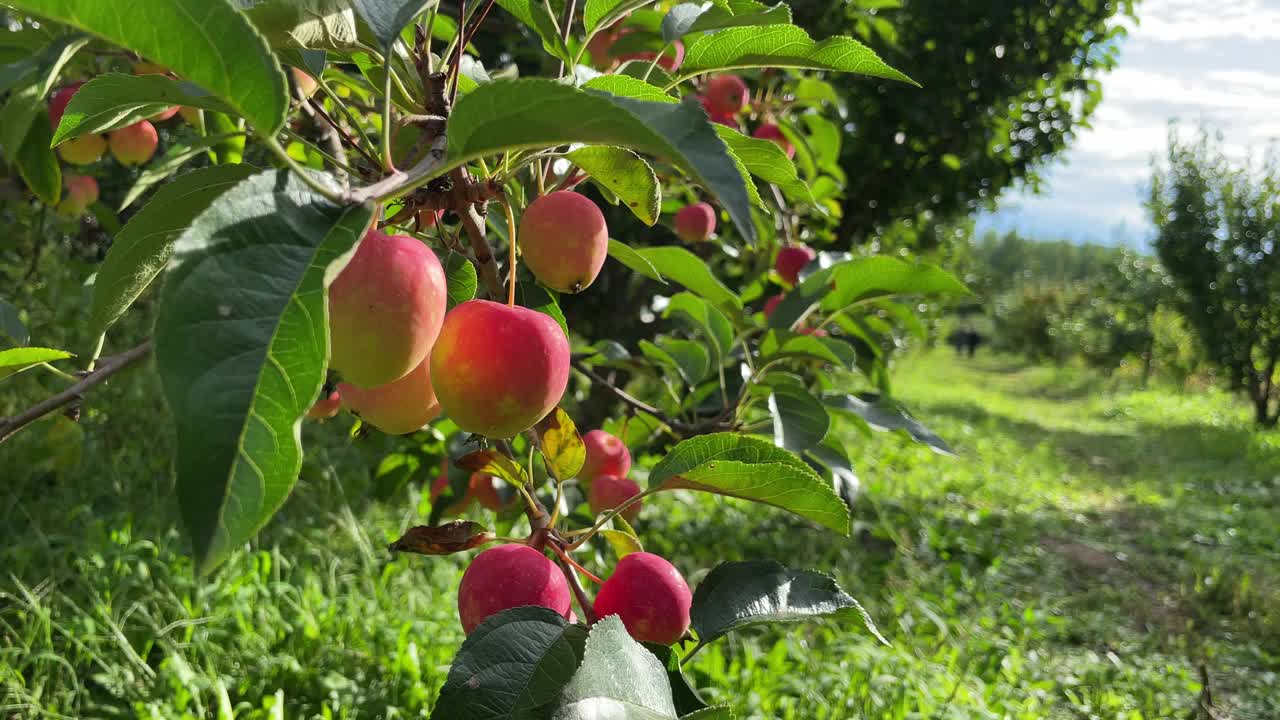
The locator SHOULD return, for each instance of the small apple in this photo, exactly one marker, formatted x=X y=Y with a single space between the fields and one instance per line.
x=499 y=369
x=564 y=240
x=82 y=191
x=716 y=116
x=773 y=133
x=606 y=455
x=791 y=260
x=58 y=103
x=133 y=144
x=669 y=61
x=772 y=304
x=165 y=114
x=304 y=82
x=429 y=218
x=650 y=597
x=510 y=576
x=326 y=407
x=696 y=222
x=599 y=46
x=609 y=491
x=400 y=407
x=726 y=94
x=83 y=150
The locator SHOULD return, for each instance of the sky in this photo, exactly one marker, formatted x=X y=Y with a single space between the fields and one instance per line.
x=1195 y=60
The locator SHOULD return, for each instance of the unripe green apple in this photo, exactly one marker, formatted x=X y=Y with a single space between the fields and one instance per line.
x=385 y=309
x=326 y=407
x=510 y=576
x=696 y=222
x=606 y=455
x=134 y=144
x=499 y=369
x=650 y=597
x=773 y=133
x=726 y=94
x=791 y=260
x=609 y=491
x=82 y=191
x=400 y=407
x=564 y=240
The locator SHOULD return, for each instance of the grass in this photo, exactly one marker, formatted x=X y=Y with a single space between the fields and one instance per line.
x=1086 y=554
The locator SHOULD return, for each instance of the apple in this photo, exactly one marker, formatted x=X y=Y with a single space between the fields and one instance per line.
x=400 y=407
x=773 y=133
x=83 y=150
x=772 y=304
x=609 y=491
x=304 y=82
x=510 y=576
x=606 y=455
x=326 y=407
x=599 y=46
x=133 y=144
x=727 y=119
x=791 y=260
x=485 y=489
x=58 y=103
x=499 y=369
x=165 y=114
x=669 y=62
x=82 y=191
x=696 y=222
x=564 y=240
x=816 y=332
x=726 y=94
x=438 y=487
x=650 y=597
x=429 y=218
x=385 y=310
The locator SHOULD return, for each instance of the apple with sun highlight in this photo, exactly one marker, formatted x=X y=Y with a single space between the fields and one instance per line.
x=400 y=407
x=726 y=94
x=650 y=597
x=610 y=491
x=696 y=223
x=133 y=144
x=773 y=133
x=82 y=191
x=510 y=576
x=605 y=455
x=564 y=240
x=791 y=260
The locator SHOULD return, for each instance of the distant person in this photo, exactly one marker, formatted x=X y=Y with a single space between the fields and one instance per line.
x=972 y=339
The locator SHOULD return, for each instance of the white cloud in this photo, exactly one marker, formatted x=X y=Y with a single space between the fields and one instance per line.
x=1184 y=21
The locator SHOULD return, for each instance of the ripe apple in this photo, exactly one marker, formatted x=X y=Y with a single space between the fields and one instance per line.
x=326 y=407
x=82 y=191
x=499 y=369
x=83 y=150
x=609 y=491
x=771 y=132
x=165 y=114
x=606 y=455
x=304 y=82
x=669 y=61
x=816 y=332
x=510 y=576
x=429 y=218
x=385 y=309
x=58 y=103
x=599 y=46
x=399 y=407
x=726 y=94
x=564 y=240
x=133 y=144
x=772 y=304
x=485 y=489
x=791 y=260
x=716 y=116
x=650 y=597
x=696 y=222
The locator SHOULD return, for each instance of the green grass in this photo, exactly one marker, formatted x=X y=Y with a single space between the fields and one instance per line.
x=1088 y=551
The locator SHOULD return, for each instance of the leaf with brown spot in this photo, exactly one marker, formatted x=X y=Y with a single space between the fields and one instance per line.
x=446 y=539
x=561 y=445
x=493 y=463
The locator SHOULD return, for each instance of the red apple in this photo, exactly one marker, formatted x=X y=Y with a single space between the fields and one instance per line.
x=599 y=46
x=133 y=144
x=385 y=309
x=82 y=191
x=165 y=114
x=510 y=576
x=650 y=597
x=499 y=369
x=326 y=407
x=696 y=222
x=304 y=82
x=83 y=150
x=771 y=304
x=429 y=218
x=669 y=61
x=606 y=455
x=564 y=240
x=726 y=94
x=791 y=260
x=816 y=332
x=609 y=491
x=58 y=103
x=714 y=115
x=771 y=132
x=400 y=407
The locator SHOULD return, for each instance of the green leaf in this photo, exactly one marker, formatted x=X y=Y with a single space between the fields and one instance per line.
x=115 y=100
x=15 y=360
x=492 y=462
x=241 y=348
x=777 y=46
x=626 y=255
x=142 y=247
x=800 y=421
x=532 y=295
x=843 y=478
x=603 y=13
x=178 y=154
x=719 y=712
x=534 y=13
x=386 y=17
x=37 y=163
x=687 y=18
x=622 y=543
x=689 y=359
x=802 y=298
x=513 y=666
x=753 y=469
x=618 y=678
x=885 y=415
x=11 y=324
x=523 y=114
x=868 y=278
x=676 y=263
x=767 y=161
x=25 y=103
x=629 y=87
x=626 y=175
x=460 y=278
x=321 y=24
x=207 y=42
x=561 y=446
x=778 y=344
x=736 y=595
x=686 y=697
x=703 y=317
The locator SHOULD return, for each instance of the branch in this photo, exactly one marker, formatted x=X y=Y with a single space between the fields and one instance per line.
x=402 y=181
x=112 y=365
x=473 y=224
x=680 y=428
x=319 y=111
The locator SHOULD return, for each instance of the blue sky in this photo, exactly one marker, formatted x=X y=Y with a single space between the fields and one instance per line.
x=1196 y=60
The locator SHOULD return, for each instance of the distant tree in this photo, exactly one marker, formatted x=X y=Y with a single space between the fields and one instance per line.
x=1218 y=234
x=1006 y=85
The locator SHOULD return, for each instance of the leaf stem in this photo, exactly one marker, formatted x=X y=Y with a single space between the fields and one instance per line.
x=301 y=172
x=387 y=164
x=64 y=375
x=591 y=531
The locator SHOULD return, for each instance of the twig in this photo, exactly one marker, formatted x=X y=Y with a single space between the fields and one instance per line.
x=678 y=427
x=107 y=368
x=474 y=225
x=579 y=592
x=566 y=20
x=621 y=394
x=320 y=111
x=402 y=181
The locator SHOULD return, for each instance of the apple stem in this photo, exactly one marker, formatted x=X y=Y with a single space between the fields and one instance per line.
x=511 y=241
x=573 y=563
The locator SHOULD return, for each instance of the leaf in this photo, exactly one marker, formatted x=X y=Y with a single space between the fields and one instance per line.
x=207 y=42
x=599 y=14
x=241 y=348
x=534 y=13
x=686 y=697
x=446 y=539
x=777 y=46
x=753 y=469
x=868 y=278
x=37 y=163
x=735 y=595
x=625 y=174
x=885 y=415
x=627 y=86
x=800 y=421
x=843 y=478
x=178 y=154
x=520 y=114
x=321 y=24
x=115 y=100
x=802 y=298
x=703 y=317
x=561 y=446
x=719 y=712
x=492 y=462
x=11 y=324
x=15 y=360
x=25 y=103
x=618 y=678
x=767 y=161
x=628 y=256
x=778 y=344
x=142 y=247
x=676 y=263
x=532 y=295
x=622 y=543
x=386 y=17
x=688 y=359
x=460 y=279
x=513 y=666
x=687 y=18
